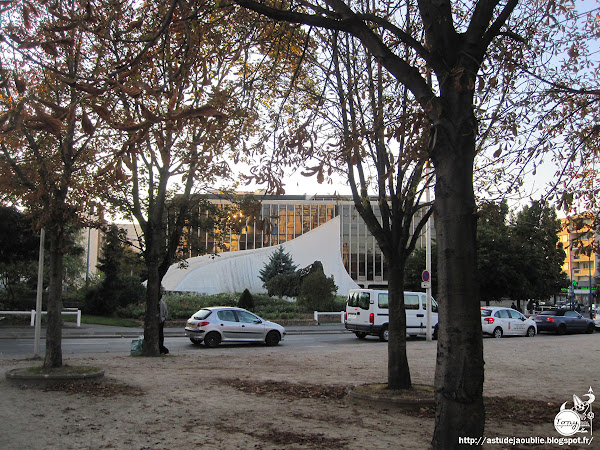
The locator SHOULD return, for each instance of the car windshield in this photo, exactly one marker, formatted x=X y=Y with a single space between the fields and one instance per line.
x=548 y=313
x=202 y=314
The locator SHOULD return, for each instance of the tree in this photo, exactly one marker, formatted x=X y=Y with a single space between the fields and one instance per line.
x=497 y=253
x=398 y=161
x=48 y=154
x=280 y=263
x=358 y=128
x=317 y=292
x=541 y=256
x=452 y=49
x=177 y=109
x=121 y=283
x=19 y=248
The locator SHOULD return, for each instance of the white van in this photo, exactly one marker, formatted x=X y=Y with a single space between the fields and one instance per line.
x=367 y=313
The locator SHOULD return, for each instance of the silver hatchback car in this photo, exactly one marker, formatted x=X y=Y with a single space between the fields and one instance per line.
x=227 y=324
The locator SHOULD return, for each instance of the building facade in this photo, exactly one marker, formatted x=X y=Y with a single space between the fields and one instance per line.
x=579 y=240
x=278 y=220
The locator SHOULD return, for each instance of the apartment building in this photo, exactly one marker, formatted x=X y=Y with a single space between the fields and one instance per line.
x=579 y=239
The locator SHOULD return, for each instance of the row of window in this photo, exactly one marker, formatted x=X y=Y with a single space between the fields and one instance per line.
x=278 y=221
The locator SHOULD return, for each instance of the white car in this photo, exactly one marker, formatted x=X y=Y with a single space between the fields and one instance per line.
x=227 y=324
x=498 y=321
x=596 y=316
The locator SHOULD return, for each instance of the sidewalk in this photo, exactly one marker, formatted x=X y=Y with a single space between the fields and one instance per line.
x=70 y=331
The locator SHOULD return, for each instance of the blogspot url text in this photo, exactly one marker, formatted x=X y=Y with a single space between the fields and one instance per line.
x=531 y=440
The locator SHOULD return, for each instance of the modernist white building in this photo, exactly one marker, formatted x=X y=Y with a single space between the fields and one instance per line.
x=237 y=270
x=310 y=229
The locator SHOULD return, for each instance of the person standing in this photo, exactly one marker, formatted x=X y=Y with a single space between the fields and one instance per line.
x=163 y=313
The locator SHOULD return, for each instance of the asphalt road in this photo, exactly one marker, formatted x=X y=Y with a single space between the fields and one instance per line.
x=314 y=339
x=120 y=346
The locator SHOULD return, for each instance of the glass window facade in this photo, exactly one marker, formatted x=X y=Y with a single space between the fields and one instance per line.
x=282 y=219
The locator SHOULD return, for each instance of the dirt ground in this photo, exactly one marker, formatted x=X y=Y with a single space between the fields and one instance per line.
x=235 y=397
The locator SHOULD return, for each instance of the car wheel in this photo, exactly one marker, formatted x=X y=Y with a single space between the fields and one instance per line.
x=498 y=333
x=272 y=338
x=562 y=329
x=435 y=333
x=196 y=341
x=384 y=335
x=212 y=339
x=590 y=328
x=360 y=334
x=530 y=332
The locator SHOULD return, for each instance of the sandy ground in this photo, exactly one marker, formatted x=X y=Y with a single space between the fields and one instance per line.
x=235 y=397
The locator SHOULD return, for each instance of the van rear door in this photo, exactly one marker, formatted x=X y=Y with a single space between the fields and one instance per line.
x=358 y=306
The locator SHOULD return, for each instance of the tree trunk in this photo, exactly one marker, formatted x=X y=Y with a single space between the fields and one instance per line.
x=459 y=370
x=151 y=321
x=53 y=356
x=153 y=290
x=398 y=369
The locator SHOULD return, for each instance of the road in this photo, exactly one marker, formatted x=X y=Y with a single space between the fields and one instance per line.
x=23 y=348
x=315 y=341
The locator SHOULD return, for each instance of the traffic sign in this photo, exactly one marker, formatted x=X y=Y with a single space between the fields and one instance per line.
x=425 y=276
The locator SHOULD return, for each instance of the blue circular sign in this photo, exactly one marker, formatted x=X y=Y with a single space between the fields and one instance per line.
x=425 y=276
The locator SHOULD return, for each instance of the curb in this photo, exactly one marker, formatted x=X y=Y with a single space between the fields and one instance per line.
x=23 y=376
x=356 y=396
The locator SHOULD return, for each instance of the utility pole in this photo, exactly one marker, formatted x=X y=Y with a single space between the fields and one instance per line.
x=428 y=259
x=38 y=298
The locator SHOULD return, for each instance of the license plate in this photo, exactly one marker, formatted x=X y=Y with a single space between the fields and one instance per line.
x=352 y=316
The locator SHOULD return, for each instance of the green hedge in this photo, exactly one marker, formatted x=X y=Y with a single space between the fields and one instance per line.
x=183 y=305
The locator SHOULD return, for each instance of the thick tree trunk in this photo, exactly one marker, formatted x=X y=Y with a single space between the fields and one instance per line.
x=152 y=318
x=153 y=290
x=398 y=369
x=459 y=370
x=53 y=356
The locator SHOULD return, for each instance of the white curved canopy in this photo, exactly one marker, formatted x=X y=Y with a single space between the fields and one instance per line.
x=235 y=271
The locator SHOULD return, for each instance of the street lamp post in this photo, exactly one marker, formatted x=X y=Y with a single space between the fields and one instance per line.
x=38 y=299
x=428 y=334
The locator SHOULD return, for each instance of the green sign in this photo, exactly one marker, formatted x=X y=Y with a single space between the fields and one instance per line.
x=581 y=288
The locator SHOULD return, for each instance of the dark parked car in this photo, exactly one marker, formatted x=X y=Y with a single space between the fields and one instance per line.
x=562 y=321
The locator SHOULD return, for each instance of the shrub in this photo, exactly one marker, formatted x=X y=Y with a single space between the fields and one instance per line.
x=246 y=300
x=104 y=300
x=283 y=285
x=317 y=293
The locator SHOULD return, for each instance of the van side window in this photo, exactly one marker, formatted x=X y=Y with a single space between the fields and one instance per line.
x=383 y=300
x=411 y=301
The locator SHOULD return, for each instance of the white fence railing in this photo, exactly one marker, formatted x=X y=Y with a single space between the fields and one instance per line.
x=338 y=313
x=67 y=311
